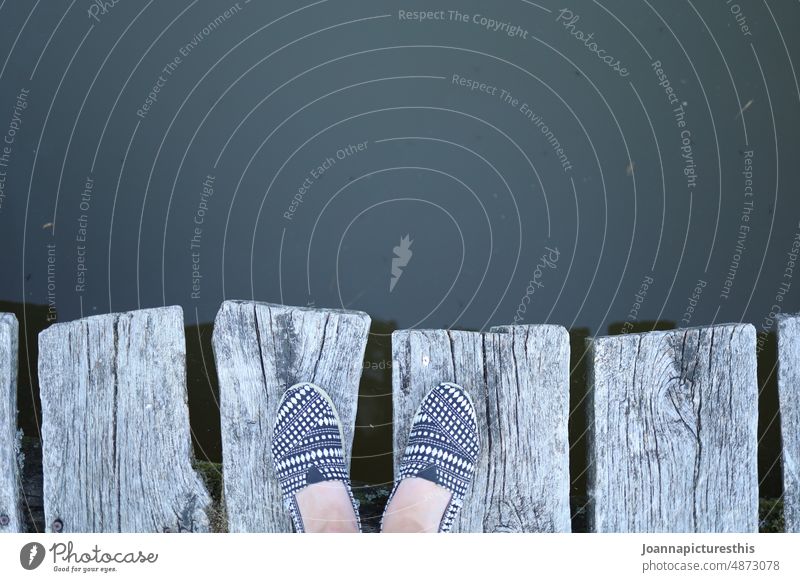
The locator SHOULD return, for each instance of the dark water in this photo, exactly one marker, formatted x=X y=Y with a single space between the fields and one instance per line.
x=190 y=152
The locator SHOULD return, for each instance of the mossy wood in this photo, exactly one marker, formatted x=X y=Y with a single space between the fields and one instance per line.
x=10 y=506
x=116 y=445
x=789 y=395
x=673 y=431
x=518 y=379
x=260 y=350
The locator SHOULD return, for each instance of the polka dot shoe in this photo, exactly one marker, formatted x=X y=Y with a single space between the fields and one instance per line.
x=443 y=446
x=307 y=446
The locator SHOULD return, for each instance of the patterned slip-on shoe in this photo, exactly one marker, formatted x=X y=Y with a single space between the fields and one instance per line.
x=442 y=446
x=307 y=446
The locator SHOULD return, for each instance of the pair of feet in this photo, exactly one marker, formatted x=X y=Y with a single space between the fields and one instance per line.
x=435 y=471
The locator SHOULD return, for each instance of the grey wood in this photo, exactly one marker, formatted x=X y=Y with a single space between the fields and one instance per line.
x=673 y=431
x=11 y=520
x=789 y=397
x=260 y=350
x=518 y=379
x=115 y=425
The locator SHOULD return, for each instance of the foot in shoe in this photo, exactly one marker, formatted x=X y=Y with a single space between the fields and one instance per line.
x=438 y=464
x=308 y=456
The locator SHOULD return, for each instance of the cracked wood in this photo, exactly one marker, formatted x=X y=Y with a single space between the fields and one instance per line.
x=518 y=379
x=260 y=350
x=115 y=425
x=789 y=396
x=11 y=520
x=673 y=431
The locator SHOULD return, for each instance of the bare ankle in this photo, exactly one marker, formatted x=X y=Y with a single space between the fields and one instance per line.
x=325 y=507
x=417 y=506
x=335 y=523
x=408 y=523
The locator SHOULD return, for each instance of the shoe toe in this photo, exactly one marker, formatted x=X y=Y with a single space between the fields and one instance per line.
x=443 y=435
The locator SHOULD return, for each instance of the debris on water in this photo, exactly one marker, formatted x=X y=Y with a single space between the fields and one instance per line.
x=745 y=108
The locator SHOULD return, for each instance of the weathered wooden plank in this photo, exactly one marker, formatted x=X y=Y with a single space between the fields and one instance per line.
x=789 y=398
x=115 y=425
x=673 y=431
x=519 y=383
x=260 y=350
x=11 y=520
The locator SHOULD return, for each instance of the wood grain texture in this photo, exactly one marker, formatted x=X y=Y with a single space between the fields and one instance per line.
x=115 y=425
x=672 y=431
x=518 y=379
x=260 y=350
x=789 y=397
x=11 y=520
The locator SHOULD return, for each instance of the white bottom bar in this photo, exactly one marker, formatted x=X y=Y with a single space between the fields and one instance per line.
x=424 y=557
